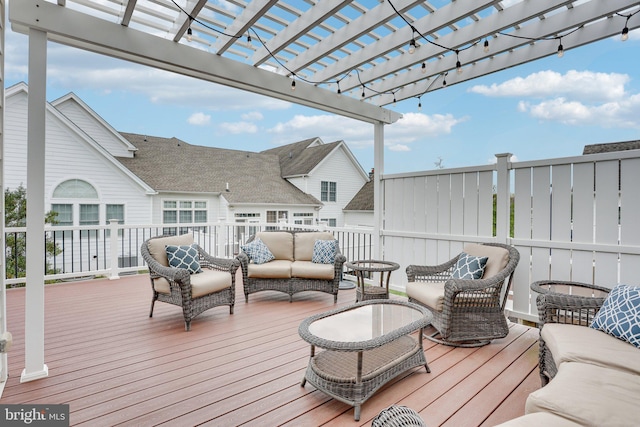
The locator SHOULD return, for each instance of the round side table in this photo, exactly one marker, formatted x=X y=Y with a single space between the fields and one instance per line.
x=363 y=269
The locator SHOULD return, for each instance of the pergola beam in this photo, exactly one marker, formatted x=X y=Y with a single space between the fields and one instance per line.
x=80 y=30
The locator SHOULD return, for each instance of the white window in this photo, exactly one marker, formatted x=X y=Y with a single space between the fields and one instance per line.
x=331 y=222
x=183 y=212
x=328 y=190
x=303 y=218
x=114 y=212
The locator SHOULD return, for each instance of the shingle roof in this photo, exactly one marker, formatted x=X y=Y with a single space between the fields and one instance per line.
x=300 y=158
x=611 y=146
x=169 y=164
x=363 y=200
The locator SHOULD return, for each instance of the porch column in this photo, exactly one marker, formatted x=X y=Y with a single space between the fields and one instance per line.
x=35 y=367
x=378 y=190
x=503 y=198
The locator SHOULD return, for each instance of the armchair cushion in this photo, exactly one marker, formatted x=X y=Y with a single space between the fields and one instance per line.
x=498 y=257
x=469 y=267
x=428 y=293
x=157 y=247
x=620 y=314
x=208 y=282
x=324 y=251
x=184 y=256
x=257 y=251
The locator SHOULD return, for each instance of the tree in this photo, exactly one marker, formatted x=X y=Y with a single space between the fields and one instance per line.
x=15 y=204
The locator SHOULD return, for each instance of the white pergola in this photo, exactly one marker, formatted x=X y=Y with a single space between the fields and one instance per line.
x=370 y=52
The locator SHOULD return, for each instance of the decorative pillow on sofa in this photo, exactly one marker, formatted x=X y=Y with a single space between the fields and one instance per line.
x=184 y=257
x=324 y=251
x=257 y=251
x=469 y=267
x=620 y=314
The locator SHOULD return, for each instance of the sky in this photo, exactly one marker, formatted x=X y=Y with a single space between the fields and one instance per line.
x=545 y=109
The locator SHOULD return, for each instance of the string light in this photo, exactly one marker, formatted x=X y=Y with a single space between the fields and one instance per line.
x=419 y=104
x=423 y=69
x=293 y=85
x=189 y=34
x=486 y=46
x=412 y=46
x=458 y=64
x=248 y=38
x=624 y=36
x=560 y=49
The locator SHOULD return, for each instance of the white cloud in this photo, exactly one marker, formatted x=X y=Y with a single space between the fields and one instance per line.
x=238 y=127
x=199 y=119
x=398 y=136
x=586 y=85
x=252 y=115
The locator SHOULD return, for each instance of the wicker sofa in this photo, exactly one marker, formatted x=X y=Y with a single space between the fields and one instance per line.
x=292 y=270
x=589 y=378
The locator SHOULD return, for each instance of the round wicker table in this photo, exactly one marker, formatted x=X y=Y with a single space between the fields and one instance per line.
x=374 y=348
x=364 y=269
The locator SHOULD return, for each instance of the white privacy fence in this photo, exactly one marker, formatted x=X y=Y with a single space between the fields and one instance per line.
x=573 y=218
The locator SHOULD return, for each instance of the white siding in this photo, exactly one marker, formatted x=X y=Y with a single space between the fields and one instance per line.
x=96 y=130
x=358 y=219
x=68 y=156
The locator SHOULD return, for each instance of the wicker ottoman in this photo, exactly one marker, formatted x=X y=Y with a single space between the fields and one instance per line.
x=397 y=416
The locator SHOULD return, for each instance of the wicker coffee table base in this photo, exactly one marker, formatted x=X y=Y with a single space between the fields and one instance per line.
x=336 y=372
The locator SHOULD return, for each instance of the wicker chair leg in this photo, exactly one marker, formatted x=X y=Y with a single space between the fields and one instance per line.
x=187 y=325
x=230 y=309
x=153 y=301
x=471 y=343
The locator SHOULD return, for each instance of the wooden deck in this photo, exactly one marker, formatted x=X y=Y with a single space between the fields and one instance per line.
x=116 y=366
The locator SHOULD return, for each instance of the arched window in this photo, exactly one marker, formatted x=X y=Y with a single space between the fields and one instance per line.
x=75 y=189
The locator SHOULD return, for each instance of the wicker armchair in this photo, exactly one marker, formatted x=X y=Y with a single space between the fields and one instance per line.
x=556 y=305
x=195 y=293
x=466 y=313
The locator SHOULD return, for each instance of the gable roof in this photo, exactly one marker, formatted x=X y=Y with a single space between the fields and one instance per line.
x=611 y=146
x=363 y=200
x=172 y=165
x=300 y=158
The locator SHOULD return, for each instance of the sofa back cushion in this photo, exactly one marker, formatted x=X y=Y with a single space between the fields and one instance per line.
x=280 y=243
x=157 y=247
x=498 y=257
x=304 y=242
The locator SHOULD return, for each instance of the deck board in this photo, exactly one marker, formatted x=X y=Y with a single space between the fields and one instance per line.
x=116 y=366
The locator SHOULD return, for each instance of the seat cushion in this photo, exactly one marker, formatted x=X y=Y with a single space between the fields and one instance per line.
x=280 y=243
x=276 y=269
x=538 y=419
x=498 y=257
x=428 y=293
x=312 y=270
x=573 y=343
x=206 y=282
x=589 y=395
x=157 y=247
x=304 y=242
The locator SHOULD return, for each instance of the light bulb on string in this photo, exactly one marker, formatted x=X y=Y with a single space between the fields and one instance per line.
x=189 y=34
x=625 y=34
x=560 y=50
x=412 y=46
x=248 y=38
x=419 y=105
x=293 y=85
x=423 y=69
x=458 y=67
x=486 y=46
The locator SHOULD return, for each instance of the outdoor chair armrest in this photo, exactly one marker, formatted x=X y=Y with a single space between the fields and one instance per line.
x=569 y=309
x=215 y=263
x=431 y=273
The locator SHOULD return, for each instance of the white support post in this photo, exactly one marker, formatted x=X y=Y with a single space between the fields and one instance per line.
x=35 y=367
x=503 y=198
x=113 y=243
x=378 y=190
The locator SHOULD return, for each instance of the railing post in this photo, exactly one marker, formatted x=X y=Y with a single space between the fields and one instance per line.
x=113 y=245
x=503 y=198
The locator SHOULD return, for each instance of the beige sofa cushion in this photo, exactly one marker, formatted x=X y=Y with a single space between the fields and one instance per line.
x=312 y=270
x=589 y=395
x=304 y=242
x=498 y=257
x=157 y=247
x=428 y=293
x=204 y=283
x=280 y=243
x=276 y=269
x=539 y=419
x=573 y=343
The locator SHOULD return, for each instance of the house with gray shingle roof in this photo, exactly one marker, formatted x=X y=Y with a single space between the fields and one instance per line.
x=141 y=179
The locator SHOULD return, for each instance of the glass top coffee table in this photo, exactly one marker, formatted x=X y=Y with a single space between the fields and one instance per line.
x=365 y=346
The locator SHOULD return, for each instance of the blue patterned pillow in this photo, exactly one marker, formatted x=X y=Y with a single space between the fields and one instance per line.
x=324 y=251
x=620 y=314
x=257 y=251
x=184 y=257
x=469 y=267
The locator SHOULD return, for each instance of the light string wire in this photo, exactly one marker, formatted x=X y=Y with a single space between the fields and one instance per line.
x=412 y=44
